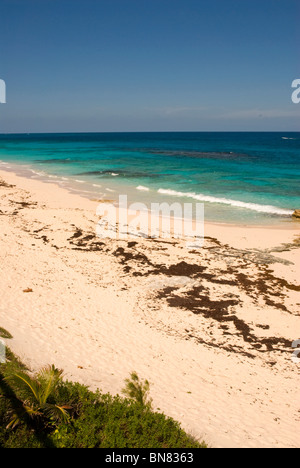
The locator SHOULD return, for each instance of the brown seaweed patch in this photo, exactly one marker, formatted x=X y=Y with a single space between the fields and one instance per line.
x=78 y=233
x=191 y=270
x=218 y=310
x=23 y=204
x=229 y=348
x=86 y=242
x=266 y=285
x=181 y=269
x=4 y=184
x=127 y=256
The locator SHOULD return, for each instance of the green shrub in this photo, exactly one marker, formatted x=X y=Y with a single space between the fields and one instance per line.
x=95 y=420
x=137 y=390
x=107 y=421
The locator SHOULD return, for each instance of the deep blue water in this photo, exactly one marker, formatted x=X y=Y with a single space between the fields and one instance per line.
x=240 y=177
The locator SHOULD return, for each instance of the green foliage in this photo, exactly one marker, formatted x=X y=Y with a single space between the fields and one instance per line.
x=35 y=397
x=94 y=420
x=106 y=421
x=137 y=390
x=5 y=334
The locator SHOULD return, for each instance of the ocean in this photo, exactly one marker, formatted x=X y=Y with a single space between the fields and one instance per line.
x=242 y=178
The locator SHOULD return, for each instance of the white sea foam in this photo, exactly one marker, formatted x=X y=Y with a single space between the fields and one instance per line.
x=141 y=187
x=239 y=204
x=114 y=174
x=41 y=174
x=80 y=181
x=96 y=185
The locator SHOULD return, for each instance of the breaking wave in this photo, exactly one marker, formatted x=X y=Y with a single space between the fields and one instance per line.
x=227 y=201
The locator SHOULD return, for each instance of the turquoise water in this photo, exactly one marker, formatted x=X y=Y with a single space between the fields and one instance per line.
x=240 y=177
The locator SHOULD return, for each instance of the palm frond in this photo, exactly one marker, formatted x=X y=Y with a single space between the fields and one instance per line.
x=48 y=377
x=25 y=387
x=21 y=412
x=14 y=420
x=57 y=412
x=36 y=397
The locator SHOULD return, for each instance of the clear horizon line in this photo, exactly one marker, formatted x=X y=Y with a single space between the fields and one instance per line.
x=149 y=131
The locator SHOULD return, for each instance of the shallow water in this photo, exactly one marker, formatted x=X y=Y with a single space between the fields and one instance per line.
x=241 y=178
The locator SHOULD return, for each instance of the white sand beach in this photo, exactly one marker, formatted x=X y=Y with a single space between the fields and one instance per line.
x=210 y=328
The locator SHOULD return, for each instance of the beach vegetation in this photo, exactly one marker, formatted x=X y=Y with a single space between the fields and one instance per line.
x=43 y=410
x=35 y=397
x=138 y=391
x=5 y=334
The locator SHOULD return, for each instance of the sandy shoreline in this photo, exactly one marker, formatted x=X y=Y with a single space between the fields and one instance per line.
x=211 y=329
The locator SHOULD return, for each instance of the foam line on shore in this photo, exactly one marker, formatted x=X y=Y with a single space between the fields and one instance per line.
x=227 y=201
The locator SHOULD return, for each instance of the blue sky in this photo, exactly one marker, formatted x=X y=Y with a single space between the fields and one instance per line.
x=149 y=65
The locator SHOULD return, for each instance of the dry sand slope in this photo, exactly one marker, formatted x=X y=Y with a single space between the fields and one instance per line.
x=211 y=329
